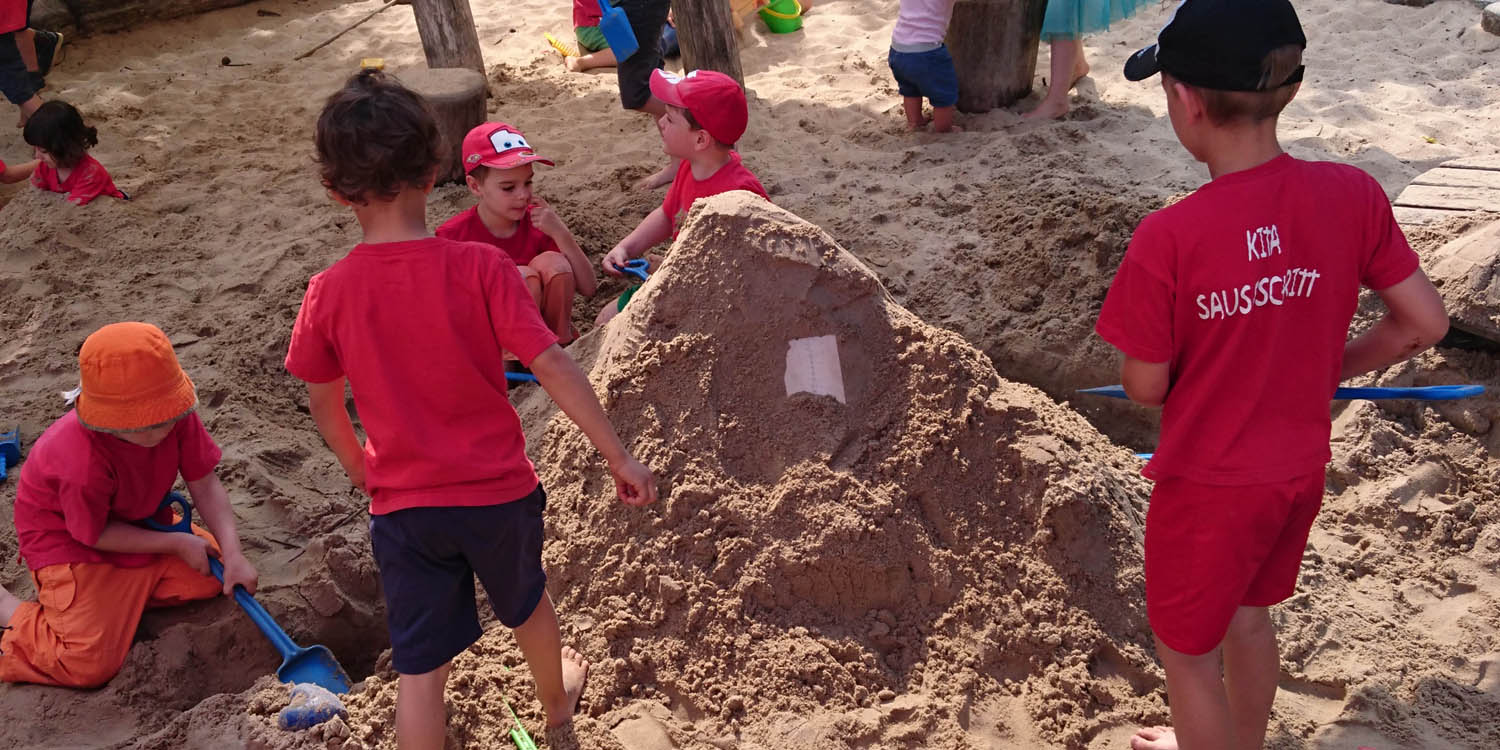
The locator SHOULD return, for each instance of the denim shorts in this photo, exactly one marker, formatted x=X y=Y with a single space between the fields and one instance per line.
x=16 y=82
x=428 y=558
x=928 y=74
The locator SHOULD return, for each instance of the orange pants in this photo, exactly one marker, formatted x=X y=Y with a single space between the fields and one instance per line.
x=78 y=631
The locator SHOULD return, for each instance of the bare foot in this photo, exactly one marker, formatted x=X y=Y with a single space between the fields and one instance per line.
x=571 y=63
x=949 y=129
x=1049 y=109
x=912 y=127
x=1154 y=738
x=1080 y=70
x=575 y=674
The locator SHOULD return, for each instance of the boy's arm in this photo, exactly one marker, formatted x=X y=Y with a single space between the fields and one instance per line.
x=548 y=221
x=18 y=172
x=566 y=384
x=657 y=226
x=326 y=402
x=1145 y=383
x=212 y=502
x=1414 y=320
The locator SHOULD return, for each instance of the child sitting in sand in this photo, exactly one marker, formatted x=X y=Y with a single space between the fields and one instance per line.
x=416 y=326
x=706 y=115
x=62 y=144
x=497 y=163
x=91 y=478
x=921 y=64
x=1232 y=309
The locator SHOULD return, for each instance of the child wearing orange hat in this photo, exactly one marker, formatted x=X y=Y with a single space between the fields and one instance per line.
x=89 y=481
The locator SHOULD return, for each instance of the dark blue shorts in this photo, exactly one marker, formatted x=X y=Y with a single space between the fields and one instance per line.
x=928 y=74
x=428 y=558
x=647 y=17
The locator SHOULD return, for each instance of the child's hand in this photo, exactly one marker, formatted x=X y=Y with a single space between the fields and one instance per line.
x=193 y=549
x=356 y=475
x=238 y=570
x=545 y=219
x=633 y=482
x=614 y=261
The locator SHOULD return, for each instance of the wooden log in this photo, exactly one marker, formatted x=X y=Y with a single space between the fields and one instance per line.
x=994 y=43
x=448 y=36
x=705 y=29
x=456 y=96
x=1489 y=18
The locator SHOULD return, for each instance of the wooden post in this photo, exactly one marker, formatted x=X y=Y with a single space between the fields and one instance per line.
x=456 y=96
x=705 y=31
x=448 y=35
x=994 y=43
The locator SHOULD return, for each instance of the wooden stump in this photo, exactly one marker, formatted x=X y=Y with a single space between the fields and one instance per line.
x=705 y=29
x=448 y=36
x=993 y=43
x=1490 y=18
x=456 y=96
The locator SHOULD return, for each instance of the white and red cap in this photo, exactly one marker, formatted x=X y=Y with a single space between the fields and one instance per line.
x=716 y=101
x=498 y=145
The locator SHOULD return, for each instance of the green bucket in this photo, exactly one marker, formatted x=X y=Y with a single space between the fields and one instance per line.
x=782 y=16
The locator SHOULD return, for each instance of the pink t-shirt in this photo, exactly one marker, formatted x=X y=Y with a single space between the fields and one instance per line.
x=522 y=245
x=418 y=327
x=922 y=22
x=13 y=15
x=586 y=13
x=1246 y=288
x=686 y=189
x=76 y=480
x=87 y=181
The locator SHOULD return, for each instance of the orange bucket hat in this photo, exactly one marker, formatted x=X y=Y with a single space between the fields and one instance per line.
x=129 y=380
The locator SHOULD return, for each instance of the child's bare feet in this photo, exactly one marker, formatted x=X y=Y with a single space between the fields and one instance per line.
x=1051 y=108
x=913 y=126
x=1154 y=738
x=575 y=674
x=571 y=63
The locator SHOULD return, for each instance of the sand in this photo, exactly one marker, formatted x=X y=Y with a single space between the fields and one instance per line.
x=949 y=559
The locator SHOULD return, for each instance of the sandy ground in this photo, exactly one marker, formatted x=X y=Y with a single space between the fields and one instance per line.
x=950 y=559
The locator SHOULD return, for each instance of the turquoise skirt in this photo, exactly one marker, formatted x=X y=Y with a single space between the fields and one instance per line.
x=1071 y=19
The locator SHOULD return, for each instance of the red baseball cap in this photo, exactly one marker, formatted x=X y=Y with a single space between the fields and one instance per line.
x=716 y=101
x=495 y=144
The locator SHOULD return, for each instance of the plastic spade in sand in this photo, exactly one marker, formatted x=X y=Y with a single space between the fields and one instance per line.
x=314 y=664
x=1416 y=393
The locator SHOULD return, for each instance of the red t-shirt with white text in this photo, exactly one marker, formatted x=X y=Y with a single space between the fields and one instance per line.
x=75 y=481
x=686 y=189
x=1246 y=288
x=417 y=328
x=522 y=245
x=88 y=180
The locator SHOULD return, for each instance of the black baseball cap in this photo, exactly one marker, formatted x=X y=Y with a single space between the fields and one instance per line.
x=1221 y=44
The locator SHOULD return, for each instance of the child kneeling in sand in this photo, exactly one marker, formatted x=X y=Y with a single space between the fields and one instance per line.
x=1232 y=308
x=62 y=144
x=416 y=325
x=91 y=477
x=497 y=162
x=706 y=115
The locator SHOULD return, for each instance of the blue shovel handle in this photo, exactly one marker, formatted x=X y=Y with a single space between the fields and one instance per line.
x=639 y=268
x=519 y=377
x=1415 y=393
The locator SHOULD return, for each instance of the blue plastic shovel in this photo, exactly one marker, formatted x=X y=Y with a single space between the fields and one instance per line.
x=616 y=28
x=314 y=664
x=10 y=450
x=1416 y=393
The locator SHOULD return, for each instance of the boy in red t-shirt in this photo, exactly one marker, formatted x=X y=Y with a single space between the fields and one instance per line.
x=416 y=325
x=706 y=115
x=91 y=478
x=497 y=164
x=1232 y=308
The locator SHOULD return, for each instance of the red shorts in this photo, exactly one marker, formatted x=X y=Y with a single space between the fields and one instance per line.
x=1211 y=549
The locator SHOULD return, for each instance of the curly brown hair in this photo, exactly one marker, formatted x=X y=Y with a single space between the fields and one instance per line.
x=375 y=138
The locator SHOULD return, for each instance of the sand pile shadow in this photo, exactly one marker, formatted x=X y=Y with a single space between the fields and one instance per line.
x=939 y=533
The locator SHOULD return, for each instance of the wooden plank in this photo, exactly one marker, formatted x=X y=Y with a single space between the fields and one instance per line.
x=1468 y=178
x=1461 y=199
x=1474 y=162
x=1407 y=216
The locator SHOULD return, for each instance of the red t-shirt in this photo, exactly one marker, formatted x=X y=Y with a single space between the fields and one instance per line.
x=87 y=181
x=76 y=480
x=586 y=13
x=418 y=327
x=686 y=189
x=13 y=15
x=1246 y=288
x=522 y=245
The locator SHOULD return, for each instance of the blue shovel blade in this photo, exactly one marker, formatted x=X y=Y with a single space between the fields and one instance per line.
x=616 y=29
x=314 y=664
